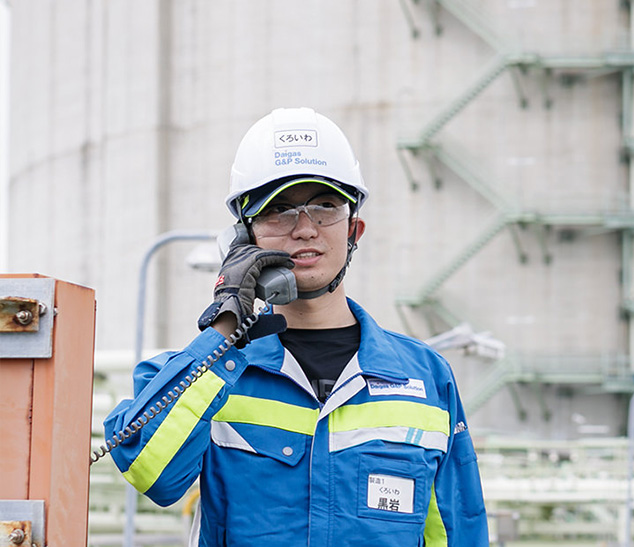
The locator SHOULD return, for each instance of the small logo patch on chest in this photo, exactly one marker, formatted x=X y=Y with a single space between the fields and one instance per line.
x=413 y=388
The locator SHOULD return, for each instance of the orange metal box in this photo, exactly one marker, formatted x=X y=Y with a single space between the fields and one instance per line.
x=46 y=375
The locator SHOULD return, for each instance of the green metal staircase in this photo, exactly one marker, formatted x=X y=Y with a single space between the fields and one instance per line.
x=427 y=146
x=611 y=372
x=453 y=108
x=496 y=378
x=458 y=261
x=478 y=21
x=454 y=159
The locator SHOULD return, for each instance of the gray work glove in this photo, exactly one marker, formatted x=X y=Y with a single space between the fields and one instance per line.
x=235 y=288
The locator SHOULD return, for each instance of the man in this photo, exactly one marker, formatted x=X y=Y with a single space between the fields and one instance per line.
x=332 y=432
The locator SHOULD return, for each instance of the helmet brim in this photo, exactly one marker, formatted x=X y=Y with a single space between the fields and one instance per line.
x=254 y=202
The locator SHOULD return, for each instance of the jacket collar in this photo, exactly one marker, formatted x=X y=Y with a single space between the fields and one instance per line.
x=377 y=356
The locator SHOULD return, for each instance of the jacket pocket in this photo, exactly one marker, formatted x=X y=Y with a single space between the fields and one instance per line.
x=468 y=475
x=284 y=446
x=264 y=426
x=394 y=489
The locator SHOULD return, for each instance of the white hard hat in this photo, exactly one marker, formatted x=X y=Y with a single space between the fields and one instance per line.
x=290 y=146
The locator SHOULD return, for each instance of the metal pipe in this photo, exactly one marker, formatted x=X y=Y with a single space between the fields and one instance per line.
x=159 y=242
x=627 y=240
x=630 y=460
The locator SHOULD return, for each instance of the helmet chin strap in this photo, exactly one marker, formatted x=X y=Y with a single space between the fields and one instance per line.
x=352 y=247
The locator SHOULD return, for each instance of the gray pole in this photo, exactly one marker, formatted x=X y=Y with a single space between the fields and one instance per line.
x=630 y=460
x=159 y=242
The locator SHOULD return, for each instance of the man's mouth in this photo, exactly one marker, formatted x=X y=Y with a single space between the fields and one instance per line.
x=310 y=254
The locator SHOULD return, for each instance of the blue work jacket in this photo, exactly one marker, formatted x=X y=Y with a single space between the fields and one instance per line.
x=386 y=461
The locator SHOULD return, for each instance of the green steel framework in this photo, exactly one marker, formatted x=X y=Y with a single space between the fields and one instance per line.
x=611 y=373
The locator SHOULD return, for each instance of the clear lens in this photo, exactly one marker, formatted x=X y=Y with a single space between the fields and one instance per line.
x=279 y=219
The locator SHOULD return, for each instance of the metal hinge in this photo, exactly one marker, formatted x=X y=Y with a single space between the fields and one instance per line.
x=21 y=523
x=19 y=314
x=15 y=532
x=26 y=317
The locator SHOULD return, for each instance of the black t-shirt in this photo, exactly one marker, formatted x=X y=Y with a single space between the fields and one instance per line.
x=322 y=353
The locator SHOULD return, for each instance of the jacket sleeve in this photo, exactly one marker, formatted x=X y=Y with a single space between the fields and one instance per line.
x=165 y=457
x=456 y=515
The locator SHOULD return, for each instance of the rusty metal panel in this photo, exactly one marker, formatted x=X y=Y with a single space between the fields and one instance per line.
x=48 y=431
x=26 y=332
x=19 y=314
x=25 y=515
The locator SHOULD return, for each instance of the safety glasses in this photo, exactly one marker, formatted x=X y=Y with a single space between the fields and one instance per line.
x=280 y=218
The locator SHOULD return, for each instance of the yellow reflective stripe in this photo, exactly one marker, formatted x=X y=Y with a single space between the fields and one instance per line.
x=173 y=432
x=435 y=533
x=252 y=410
x=389 y=414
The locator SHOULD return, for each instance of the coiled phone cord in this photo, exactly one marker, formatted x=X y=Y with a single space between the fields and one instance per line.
x=178 y=390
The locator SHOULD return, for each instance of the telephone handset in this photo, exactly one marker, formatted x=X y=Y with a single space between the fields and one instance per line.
x=276 y=285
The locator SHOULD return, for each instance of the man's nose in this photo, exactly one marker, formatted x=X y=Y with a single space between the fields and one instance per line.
x=305 y=223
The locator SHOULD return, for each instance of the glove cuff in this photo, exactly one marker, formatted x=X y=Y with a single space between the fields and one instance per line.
x=230 y=304
x=264 y=326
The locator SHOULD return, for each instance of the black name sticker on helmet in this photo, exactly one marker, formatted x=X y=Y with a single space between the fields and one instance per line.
x=295 y=137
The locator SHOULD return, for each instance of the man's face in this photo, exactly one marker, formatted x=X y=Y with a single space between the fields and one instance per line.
x=319 y=252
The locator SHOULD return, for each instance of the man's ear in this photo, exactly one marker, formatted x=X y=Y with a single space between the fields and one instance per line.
x=359 y=223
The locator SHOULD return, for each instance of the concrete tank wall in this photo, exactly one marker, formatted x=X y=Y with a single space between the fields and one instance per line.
x=126 y=115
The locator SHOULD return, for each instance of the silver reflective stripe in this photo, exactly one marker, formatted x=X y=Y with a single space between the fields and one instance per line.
x=434 y=440
x=351 y=369
x=223 y=434
x=342 y=394
x=194 y=534
x=294 y=371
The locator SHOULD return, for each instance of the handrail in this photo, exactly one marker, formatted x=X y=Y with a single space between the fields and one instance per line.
x=612 y=371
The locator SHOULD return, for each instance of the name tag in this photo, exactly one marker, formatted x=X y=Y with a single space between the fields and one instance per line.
x=389 y=493
x=413 y=388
